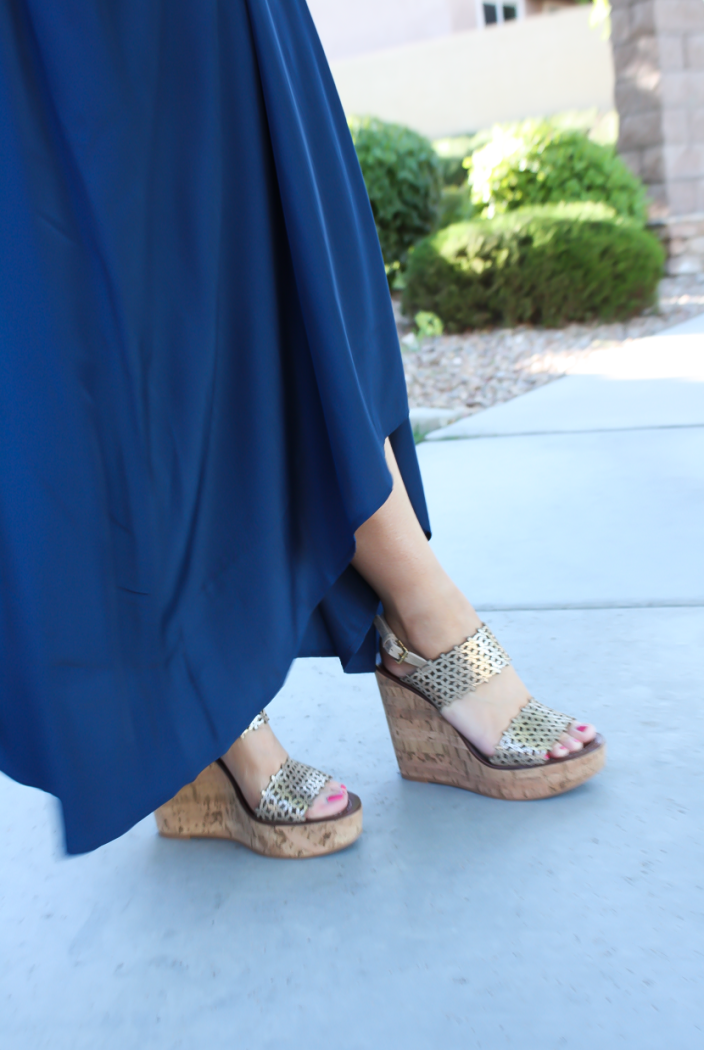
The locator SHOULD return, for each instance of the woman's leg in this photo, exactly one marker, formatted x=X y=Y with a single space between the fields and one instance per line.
x=431 y=615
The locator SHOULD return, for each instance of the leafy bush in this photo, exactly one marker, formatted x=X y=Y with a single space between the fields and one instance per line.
x=538 y=163
x=453 y=151
x=548 y=265
x=452 y=170
x=455 y=206
x=402 y=174
x=428 y=325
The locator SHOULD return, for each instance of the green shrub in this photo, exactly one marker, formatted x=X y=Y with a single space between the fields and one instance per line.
x=455 y=206
x=428 y=325
x=547 y=265
x=453 y=151
x=452 y=170
x=402 y=174
x=538 y=163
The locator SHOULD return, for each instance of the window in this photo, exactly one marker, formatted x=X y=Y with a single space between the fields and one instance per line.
x=495 y=14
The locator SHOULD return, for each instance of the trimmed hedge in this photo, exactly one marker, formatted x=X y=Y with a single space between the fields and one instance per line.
x=547 y=265
x=538 y=163
x=402 y=173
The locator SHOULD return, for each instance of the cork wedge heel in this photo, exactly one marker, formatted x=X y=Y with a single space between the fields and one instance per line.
x=213 y=806
x=430 y=750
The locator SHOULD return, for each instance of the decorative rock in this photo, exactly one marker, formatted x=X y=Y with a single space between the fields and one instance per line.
x=464 y=374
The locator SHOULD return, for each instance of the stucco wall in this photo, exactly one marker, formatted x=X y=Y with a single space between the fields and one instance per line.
x=471 y=80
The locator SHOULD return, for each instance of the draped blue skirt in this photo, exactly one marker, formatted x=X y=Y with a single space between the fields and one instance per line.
x=198 y=368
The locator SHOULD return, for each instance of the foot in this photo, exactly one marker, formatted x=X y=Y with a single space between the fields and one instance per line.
x=483 y=715
x=255 y=757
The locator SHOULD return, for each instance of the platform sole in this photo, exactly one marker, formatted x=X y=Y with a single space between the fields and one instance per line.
x=430 y=750
x=210 y=808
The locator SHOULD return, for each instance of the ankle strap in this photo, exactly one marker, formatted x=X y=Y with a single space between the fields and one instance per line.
x=395 y=647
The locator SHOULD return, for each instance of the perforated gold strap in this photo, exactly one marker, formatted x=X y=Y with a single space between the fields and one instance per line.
x=454 y=674
x=262 y=719
x=290 y=793
x=530 y=736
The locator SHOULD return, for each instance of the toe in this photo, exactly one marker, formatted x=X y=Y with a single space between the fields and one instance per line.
x=331 y=801
x=566 y=745
x=582 y=731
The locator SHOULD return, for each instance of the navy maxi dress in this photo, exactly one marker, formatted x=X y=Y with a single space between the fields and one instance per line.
x=198 y=369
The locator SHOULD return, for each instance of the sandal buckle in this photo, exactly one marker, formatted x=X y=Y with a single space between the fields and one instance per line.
x=403 y=652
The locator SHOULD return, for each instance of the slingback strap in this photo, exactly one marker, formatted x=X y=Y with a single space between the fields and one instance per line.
x=262 y=719
x=530 y=736
x=290 y=793
x=395 y=647
x=452 y=675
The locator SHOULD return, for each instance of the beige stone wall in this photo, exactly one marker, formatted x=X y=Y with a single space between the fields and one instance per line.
x=658 y=50
x=684 y=239
x=659 y=62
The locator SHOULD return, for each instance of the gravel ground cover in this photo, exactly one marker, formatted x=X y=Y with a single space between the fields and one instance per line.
x=467 y=373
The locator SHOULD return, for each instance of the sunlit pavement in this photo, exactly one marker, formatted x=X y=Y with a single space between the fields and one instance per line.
x=573 y=516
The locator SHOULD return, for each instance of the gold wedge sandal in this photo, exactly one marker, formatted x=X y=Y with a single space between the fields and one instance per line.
x=429 y=749
x=213 y=806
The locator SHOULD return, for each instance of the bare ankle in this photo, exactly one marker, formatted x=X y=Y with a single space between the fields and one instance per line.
x=252 y=759
x=435 y=624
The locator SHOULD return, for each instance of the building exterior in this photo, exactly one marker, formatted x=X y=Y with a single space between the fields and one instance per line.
x=459 y=82
x=351 y=29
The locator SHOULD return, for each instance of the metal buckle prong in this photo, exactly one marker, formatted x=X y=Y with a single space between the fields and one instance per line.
x=404 y=652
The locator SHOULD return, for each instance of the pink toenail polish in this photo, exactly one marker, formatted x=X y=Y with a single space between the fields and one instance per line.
x=334 y=798
x=581 y=729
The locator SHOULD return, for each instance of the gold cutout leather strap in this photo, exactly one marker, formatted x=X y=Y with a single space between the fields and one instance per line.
x=454 y=674
x=262 y=719
x=530 y=736
x=290 y=793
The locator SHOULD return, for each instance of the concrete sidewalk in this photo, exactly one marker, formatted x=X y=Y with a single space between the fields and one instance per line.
x=575 y=514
